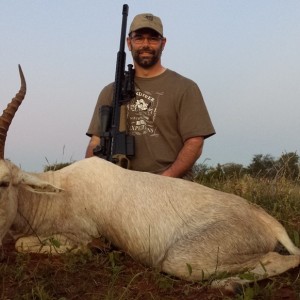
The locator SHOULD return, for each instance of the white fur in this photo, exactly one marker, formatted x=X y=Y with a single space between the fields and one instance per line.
x=180 y=227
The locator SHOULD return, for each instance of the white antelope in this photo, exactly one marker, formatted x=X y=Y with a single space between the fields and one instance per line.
x=179 y=227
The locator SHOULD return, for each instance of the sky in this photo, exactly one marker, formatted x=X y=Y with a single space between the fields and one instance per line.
x=244 y=55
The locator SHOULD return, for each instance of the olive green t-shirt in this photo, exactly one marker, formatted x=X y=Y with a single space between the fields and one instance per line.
x=167 y=110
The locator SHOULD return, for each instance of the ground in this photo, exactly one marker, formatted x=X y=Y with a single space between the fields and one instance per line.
x=111 y=274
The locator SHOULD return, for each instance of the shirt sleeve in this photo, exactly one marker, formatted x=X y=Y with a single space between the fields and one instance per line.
x=194 y=119
x=105 y=98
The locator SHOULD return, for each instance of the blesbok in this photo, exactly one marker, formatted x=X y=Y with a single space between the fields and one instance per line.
x=179 y=227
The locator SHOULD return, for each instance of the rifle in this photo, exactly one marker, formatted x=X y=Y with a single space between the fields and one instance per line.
x=115 y=144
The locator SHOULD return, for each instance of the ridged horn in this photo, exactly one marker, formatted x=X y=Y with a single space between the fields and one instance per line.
x=9 y=112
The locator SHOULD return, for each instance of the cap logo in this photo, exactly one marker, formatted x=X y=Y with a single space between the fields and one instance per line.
x=149 y=17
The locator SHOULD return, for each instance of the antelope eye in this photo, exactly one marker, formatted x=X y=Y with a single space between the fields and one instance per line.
x=4 y=184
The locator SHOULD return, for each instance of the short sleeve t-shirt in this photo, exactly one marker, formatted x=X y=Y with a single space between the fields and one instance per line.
x=166 y=111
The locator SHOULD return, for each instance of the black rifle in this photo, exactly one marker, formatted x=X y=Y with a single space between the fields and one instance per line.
x=115 y=144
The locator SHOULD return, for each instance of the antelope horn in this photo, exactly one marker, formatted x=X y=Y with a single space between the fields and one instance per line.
x=9 y=112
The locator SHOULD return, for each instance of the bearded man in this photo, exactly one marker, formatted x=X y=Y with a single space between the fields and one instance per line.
x=167 y=116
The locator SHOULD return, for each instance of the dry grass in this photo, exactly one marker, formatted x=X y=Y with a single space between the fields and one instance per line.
x=279 y=197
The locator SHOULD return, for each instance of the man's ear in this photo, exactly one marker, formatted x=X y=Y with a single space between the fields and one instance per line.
x=129 y=43
x=164 y=41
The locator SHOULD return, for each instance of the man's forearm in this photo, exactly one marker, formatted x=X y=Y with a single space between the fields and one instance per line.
x=89 y=151
x=94 y=141
x=186 y=158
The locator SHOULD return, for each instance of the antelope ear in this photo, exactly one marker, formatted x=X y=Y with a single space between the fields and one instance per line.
x=34 y=184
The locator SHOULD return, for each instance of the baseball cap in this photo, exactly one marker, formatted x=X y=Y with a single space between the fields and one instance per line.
x=146 y=21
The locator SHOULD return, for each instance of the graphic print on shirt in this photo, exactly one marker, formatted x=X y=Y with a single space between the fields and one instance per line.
x=142 y=112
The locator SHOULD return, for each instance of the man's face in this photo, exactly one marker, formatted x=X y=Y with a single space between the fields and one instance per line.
x=146 y=47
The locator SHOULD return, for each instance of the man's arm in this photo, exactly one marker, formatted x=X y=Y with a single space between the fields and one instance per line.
x=94 y=141
x=186 y=158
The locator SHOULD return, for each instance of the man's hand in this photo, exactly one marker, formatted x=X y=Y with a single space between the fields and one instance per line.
x=186 y=158
x=94 y=141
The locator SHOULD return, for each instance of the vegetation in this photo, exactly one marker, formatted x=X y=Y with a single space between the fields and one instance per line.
x=263 y=167
x=56 y=166
x=107 y=273
x=271 y=183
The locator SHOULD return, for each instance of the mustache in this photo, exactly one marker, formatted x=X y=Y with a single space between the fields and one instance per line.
x=146 y=49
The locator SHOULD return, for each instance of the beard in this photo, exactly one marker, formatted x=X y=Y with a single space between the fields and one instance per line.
x=146 y=57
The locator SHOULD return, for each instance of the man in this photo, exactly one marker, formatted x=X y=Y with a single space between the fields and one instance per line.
x=168 y=116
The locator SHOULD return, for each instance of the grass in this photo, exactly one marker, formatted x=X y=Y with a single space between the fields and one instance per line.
x=110 y=274
x=279 y=197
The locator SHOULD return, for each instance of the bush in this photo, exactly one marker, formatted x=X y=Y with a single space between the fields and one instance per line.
x=56 y=166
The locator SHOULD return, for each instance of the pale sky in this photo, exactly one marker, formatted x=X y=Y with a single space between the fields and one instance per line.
x=244 y=55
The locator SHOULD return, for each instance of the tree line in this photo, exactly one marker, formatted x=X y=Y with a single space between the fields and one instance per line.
x=261 y=166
